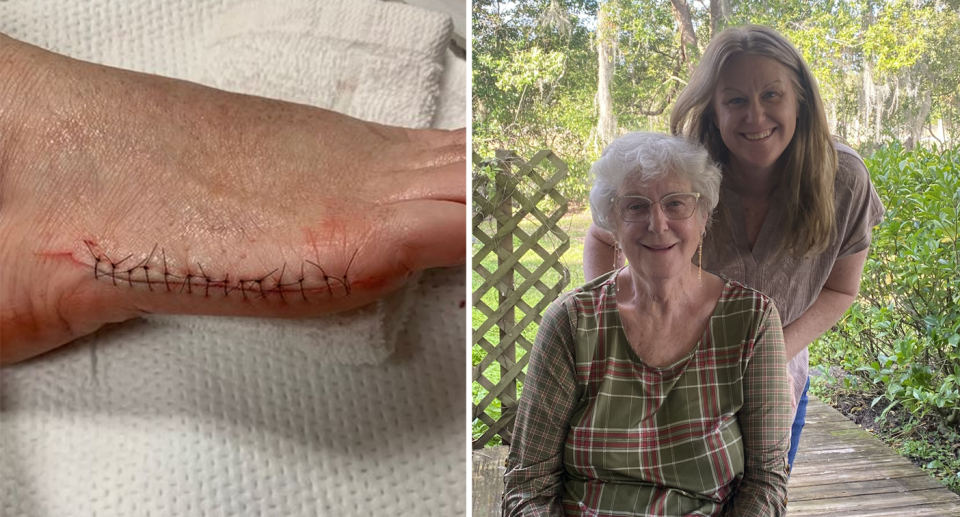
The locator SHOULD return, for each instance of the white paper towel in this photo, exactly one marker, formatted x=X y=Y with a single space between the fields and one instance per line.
x=176 y=417
x=375 y=61
x=187 y=424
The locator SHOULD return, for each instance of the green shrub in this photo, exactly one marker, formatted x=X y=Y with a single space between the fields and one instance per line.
x=903 y=332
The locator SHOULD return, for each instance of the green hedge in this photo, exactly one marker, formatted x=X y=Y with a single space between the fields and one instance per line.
x=902 y=335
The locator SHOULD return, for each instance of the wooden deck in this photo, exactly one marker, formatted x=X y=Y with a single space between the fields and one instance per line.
x=843 y=470
x=840 y=470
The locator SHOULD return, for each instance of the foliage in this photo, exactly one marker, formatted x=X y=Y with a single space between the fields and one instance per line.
x=887 y=69
x=534 y=79
x=903 y=332
x=934 y=450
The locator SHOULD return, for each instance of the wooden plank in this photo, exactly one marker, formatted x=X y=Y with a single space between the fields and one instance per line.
x=925 y=510
x=812 y=492
x=488 y=470
x=507 y=387
x=833 y=434
x=854 y=476
x=827 y=451
x=870 y=504
x=864 y=469
x=852 y=465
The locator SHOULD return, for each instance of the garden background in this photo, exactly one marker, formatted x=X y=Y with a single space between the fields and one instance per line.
x=572 y=75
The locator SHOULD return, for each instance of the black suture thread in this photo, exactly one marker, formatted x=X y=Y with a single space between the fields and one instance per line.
x=146 y=266
x=166 y=273
x=206 y=290
x=187 y=282
x=114 y=265
x=346 y=281
x=142 y=264
x=259 y=283
x=96 y=266
x=326 y=278
x=302 y=277
x=280 y=282
x=242 y=284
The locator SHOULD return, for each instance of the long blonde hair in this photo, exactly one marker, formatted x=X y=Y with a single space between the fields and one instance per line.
x=811 y=158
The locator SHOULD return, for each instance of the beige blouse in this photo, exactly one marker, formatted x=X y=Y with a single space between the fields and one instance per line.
x=792 y=283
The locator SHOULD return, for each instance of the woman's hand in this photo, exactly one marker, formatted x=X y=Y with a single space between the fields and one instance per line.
x=598 y=253
x=123 y=193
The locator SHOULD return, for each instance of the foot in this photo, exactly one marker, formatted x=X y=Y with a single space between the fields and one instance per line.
x=123 y=194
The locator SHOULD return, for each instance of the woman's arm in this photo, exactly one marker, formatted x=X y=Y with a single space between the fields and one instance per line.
x=533 y=482
x=598 y=253
x=835 y=298
x=859 y=210
x=765 y=420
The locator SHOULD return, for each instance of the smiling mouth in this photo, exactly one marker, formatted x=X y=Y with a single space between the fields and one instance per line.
x=757 y=136
x=659 y=248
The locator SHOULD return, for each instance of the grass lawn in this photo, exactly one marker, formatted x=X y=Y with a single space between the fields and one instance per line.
x=575 y=225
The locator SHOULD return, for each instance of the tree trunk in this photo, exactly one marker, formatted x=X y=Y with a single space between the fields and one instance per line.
x=688 y=39
x=917 y=119
x=868 y=92
x=719 y=14
x=606 y=50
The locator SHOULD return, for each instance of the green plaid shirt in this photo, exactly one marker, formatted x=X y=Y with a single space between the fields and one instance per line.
x=599 y=433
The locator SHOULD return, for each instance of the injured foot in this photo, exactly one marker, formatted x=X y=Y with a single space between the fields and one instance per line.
x=124 y=194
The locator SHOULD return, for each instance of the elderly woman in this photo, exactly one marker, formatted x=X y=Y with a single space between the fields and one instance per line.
x=657 y=389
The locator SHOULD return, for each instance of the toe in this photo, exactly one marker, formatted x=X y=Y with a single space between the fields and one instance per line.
x=434 y=234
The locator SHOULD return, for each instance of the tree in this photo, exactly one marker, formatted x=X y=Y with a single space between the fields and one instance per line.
x=887 y=69
x=688 y=39
x=606 y=53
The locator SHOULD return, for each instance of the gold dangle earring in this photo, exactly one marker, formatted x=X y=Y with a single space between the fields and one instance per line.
x=700 y=261
x=616 y=256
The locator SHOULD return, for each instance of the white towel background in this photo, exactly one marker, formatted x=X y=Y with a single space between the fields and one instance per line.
x=181 y=416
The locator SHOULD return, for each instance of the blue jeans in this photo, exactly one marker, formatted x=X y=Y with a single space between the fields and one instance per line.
x=798 y=425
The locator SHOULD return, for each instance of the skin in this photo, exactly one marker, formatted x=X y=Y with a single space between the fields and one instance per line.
x=755 y=108
x=98 y=164
x=660 y=294
x=763 y=99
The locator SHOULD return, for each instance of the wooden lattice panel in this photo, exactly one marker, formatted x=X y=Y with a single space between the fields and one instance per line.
x=520 y=193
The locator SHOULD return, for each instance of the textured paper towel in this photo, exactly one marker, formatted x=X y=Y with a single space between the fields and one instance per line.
x=186 y=424
x=375 y=61
x=174 y=419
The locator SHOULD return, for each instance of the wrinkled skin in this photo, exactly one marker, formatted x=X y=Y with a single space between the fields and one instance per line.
x=101 y=164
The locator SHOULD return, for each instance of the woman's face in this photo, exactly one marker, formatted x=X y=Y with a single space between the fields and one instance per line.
x=755 y=109
x=659 y=247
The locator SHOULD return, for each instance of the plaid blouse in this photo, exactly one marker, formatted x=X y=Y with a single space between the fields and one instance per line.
x=599 y=433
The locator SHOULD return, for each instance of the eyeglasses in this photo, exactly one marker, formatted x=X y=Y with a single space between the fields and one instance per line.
x=636 y=209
